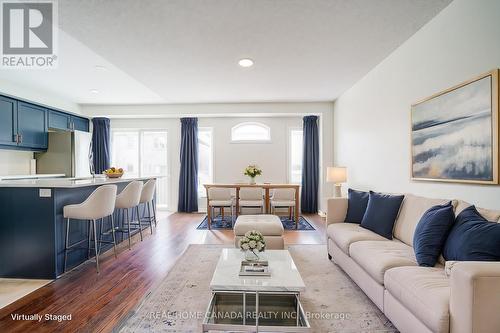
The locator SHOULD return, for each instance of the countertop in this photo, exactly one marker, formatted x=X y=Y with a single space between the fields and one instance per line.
x=18 y=177
x=67 y=182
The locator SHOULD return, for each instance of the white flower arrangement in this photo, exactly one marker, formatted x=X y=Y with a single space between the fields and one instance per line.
x=252 y=241
x=252 y=171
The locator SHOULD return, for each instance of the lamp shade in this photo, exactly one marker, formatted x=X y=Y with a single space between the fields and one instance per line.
x=336 y=175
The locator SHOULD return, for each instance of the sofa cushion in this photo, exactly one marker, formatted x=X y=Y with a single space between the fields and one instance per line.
x=488 y=214
x=344 y=234
x=411 y=212
x=381 y=213
x=356 y=205
x=424 y=291
x=473 y=238
x=431 y=232
x=376 y=257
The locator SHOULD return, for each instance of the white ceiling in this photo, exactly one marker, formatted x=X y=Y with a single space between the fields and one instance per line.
x=186 y=51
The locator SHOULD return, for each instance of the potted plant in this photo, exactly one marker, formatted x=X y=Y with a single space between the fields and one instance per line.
x=252 y=243
x=252 y=171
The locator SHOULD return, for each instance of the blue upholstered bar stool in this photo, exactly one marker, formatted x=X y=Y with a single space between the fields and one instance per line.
x=99 y=204
x=126 y=200
x=147 y=198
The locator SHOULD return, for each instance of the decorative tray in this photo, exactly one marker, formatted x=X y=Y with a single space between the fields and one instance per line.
x=254 y=268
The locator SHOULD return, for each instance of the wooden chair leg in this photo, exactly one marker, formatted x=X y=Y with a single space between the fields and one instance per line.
x=209 y=217
x=222 y=213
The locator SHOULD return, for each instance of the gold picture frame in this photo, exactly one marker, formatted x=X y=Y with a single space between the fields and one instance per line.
x=454 y=133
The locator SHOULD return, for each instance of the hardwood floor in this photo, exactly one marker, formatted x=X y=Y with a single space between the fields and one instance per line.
x=97 y=302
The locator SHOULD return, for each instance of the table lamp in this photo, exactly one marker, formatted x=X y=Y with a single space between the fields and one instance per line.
x=336 y=175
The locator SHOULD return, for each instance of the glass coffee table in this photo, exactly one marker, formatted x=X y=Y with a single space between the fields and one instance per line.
x=256 y=303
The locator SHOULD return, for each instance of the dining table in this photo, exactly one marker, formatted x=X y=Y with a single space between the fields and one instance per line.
x=267 y=187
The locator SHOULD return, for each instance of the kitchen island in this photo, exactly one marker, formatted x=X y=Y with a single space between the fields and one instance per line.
x=33 y=229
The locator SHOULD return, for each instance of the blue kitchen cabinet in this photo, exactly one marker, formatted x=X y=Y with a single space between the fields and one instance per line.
x=8 y=121
x=59 y=120
x=80 y=124
x=25 y=126
x=32 y=126
x=66 y=122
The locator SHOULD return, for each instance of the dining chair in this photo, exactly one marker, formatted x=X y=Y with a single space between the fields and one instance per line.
x=284 y=198
x=251 y=197
x=220 y=198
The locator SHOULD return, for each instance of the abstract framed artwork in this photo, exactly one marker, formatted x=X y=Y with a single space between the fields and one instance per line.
x=454 y=133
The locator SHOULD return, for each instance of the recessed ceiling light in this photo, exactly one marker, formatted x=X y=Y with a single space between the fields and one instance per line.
x=100 y=67
x=94 y=91
x=245 y=62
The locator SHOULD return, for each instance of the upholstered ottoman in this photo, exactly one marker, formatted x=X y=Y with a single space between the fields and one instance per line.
x=269 y=225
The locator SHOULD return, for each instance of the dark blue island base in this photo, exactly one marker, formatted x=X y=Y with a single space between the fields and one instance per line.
x=33 y=230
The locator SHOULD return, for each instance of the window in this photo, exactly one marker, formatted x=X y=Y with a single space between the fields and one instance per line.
x=125 y=152
x=205 y=159
x=296 y=151
x=250 y=132
x=143 y=153
x=154 y=162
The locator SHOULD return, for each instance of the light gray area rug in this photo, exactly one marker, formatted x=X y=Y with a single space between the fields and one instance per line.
x=332 y=299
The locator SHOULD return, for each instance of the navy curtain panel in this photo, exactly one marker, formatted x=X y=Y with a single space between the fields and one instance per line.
x=188 y=178
x=101 y=144
x=310 y=166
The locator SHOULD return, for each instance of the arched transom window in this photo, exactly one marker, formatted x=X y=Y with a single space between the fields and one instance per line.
x=250 y=131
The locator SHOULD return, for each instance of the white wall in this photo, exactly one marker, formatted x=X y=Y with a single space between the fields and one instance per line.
x=38 y=95
x=15 y=162
x=230 y=158
x=371 y=120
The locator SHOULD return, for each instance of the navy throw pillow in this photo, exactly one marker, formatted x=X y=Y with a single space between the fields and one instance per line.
x=431 y=233
x=473 y=238
x=356 y=205
x=381 y=213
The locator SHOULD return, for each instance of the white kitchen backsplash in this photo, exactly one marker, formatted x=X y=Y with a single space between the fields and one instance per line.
x=15 y=162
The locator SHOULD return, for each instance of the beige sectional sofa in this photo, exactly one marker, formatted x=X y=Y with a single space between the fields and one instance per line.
x=450 y=297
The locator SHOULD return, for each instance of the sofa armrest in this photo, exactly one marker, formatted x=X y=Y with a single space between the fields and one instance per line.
x=336 y=210
x=475 y=297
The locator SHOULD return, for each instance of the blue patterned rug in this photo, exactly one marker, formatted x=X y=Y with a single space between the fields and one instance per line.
x=227 y=223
